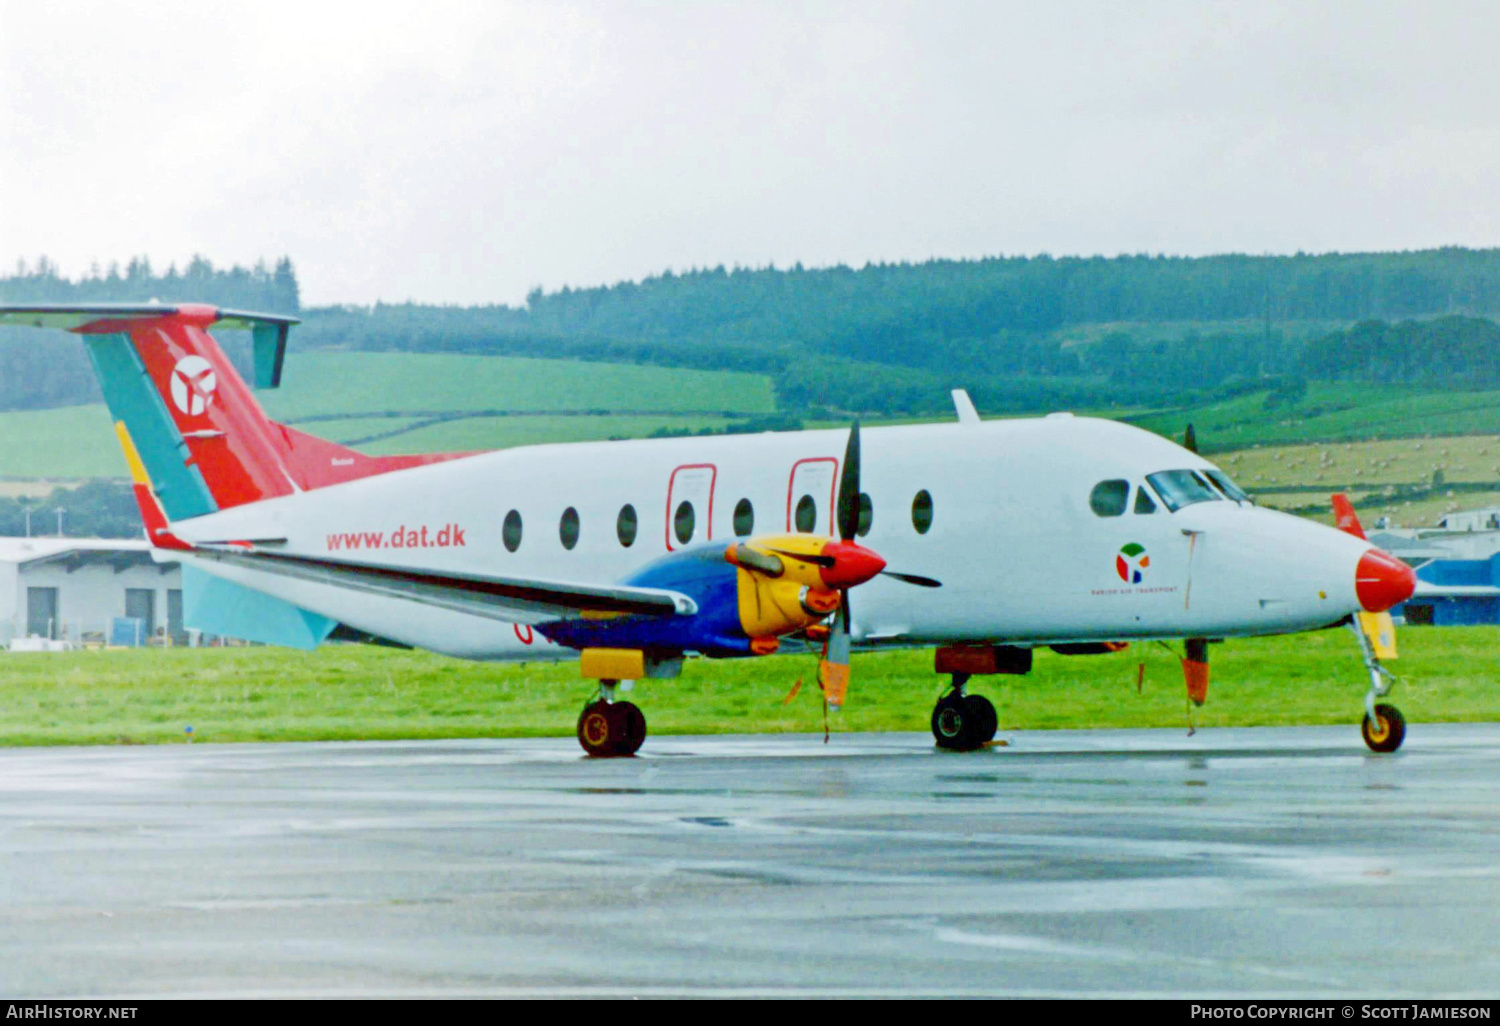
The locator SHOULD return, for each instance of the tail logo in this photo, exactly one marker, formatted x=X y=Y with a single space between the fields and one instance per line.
x=193 y=384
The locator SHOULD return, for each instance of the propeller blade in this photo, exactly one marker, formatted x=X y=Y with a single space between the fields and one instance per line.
x=1190 y=439
x=848 y=500
x=833 y=668
x=917 y=579
x=1195 y=669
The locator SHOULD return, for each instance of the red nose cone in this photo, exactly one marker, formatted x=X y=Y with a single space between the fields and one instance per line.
x=1382 y=581
x=852 y=564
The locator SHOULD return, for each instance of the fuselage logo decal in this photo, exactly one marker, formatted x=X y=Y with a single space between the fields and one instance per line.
x=1131 y=563
x=193 y=384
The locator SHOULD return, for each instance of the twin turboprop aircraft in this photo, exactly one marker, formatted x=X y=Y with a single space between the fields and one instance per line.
x=984 y=539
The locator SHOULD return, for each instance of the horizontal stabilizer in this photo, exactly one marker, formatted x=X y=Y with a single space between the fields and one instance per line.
x=269 y=330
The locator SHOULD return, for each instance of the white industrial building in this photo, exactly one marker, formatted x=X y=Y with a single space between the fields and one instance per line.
x=78 y=592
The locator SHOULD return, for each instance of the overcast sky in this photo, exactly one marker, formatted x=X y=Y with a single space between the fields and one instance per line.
x=466 y=152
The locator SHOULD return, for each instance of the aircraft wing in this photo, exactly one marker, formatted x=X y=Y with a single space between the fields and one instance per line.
x=509 y=599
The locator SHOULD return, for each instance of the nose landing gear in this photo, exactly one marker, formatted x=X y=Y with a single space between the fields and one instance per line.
x=1383 y=726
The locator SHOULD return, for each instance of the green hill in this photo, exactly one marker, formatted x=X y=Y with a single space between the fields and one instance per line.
x=413 y=402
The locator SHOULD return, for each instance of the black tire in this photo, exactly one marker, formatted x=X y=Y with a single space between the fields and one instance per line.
x=599 y=729
x=633 y=727
x=986 y=722
x=953 y=724
x=1388 y=731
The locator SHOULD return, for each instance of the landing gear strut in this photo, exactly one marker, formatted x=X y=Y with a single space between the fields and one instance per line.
x=962 y=722
x=607 y=727
x=1383 y=727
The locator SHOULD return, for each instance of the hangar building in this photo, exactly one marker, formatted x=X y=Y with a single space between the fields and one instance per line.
x=87 y=591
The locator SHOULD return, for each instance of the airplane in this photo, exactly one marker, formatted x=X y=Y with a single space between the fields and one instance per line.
x=1061 y=531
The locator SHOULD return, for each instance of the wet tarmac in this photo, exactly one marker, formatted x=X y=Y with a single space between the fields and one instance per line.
x=1235 y=863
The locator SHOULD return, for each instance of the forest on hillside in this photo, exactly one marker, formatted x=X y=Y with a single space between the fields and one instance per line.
x=1021 y=333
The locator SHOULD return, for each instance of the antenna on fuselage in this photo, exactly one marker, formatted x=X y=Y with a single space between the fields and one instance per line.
x=965 y=407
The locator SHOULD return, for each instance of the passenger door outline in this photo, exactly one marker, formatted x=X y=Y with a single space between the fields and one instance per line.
x=692 y=482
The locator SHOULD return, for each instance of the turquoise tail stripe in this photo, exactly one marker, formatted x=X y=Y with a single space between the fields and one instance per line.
x=132 y=397
x=216 y=606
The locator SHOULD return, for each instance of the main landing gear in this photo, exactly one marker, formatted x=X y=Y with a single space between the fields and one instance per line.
x=963 y=722
x=607 y=727
x=1383 y=726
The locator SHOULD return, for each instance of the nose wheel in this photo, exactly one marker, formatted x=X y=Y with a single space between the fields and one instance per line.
x=962 y=722
x=1386 y=730
x=609 y=728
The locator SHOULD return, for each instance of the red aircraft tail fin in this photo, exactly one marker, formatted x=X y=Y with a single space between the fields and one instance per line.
x=1344 y=517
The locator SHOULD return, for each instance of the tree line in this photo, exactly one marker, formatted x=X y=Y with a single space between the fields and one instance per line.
x=889 y=338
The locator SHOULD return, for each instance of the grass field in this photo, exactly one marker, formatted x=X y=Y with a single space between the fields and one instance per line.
x=1395 y=477
x=1331 y=412
x=345 y=692
x=321 y=383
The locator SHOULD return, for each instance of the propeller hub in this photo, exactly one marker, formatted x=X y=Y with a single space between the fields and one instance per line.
x=853 y=564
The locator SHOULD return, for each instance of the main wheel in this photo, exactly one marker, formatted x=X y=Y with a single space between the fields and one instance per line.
x=600 y=730
x=953 y=723
x=1388 y=730
x=983 y=715
x=633 y=727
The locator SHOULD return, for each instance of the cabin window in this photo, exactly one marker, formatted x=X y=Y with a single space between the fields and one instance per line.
x=1108 y=498
x=567 y=528
x=625 y=525
x=1143 y=501
x=806 y=517
x=921 y=511
x=510 y=533
x=744 y=518
x=683 y=522
x=1228 y=487
x=1179 y=488
x=866 y=515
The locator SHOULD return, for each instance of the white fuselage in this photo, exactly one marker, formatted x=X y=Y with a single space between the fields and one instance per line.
x=1021 y=555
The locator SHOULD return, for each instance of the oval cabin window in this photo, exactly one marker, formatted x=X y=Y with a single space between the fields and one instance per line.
x=806 y=517
x=921 y=511
x=866 y=515
x=744 y=518
x=625 y=525
x=683 y=523
x=510 y=533
x=567 y=528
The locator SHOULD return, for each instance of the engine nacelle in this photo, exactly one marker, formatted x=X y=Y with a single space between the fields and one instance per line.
x=748 y=596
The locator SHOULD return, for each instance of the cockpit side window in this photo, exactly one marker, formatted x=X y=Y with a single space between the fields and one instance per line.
x=1225 y=485
x=1179 y=488
x=1143 y=501
x=1109 y=497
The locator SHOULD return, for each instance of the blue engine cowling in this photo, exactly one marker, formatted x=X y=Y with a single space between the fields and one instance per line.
x=700 y=573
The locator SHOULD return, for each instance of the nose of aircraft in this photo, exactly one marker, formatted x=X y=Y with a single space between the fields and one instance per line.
x=1382 y=581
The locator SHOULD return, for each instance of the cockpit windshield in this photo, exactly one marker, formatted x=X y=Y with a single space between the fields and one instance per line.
x=1179 y=488
x=1228 y=487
